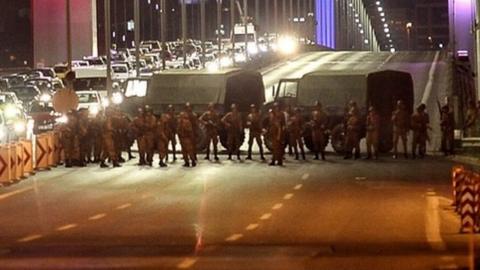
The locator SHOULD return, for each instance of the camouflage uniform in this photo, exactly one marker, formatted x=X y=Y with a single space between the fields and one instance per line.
x=149 y=134
x=276 y=132
x=373 y=133
x=171 y=130
x=447 y=124
x=352 y=132
x=319 y=124
x=186 y=136
x=419 y=122
x=295 y=128
x=233 y=123
x=138 y=129
x=211 y=121
x=254 y=125
x=162 y=139
x=108 y=141
x=400 y=121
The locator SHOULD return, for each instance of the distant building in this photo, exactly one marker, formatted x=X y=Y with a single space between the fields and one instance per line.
x=431 y=25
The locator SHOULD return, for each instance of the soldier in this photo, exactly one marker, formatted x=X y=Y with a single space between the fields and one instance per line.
x=108 y=141
x=295 y=128
x=319 y=124
x=352 y=131
x=276 y=132
x=373 y=132
x=186 y=136
x=470 y=120
x=420 y=125
x=211 y=120
x=83 y=139
x=162 y=139
x=400 y=121
x=68 y=133
x=233 y=123
x=149 y=134
x=95 y=134
x=119 y=132
x=254 y=125
x=447 y=125
x=193 y=117
x=170 y=130
x=138 y=128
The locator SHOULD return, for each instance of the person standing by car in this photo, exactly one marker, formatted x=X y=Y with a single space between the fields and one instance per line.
x=400 y=121
x=254 y=125
x=373 y=132
x=319 y=125
x=233 y=123
x=211 y=121
x=420 y=126
x=186 y=136
x=295 y=128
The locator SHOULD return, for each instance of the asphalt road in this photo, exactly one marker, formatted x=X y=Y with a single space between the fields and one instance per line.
x=245 y=215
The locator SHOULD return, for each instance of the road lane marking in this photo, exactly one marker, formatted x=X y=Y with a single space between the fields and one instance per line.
x=97 y=217
x=30 y=238
x=67 y=227
x=251 y=227
x=13 y=193
x=431 y=74
x=431 y=193
x=432 y=224
x=277 y=206
x=305 y=176
x=234 y=237
x=288 y=196
x=298 y=187
x=186 y=263
x=266 y=216
x=123 y=206
x=386 y=61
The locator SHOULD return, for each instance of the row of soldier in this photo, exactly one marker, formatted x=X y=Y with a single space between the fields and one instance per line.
x=105 y=137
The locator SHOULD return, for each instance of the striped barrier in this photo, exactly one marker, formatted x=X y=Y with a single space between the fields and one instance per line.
x=466 y=194
x=41 y=152
x=20 y=174
x=12 y=149
x=50 y=149
x=4 y=165
x=27 y=157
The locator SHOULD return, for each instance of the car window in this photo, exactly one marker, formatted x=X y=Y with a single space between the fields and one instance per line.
x=87 y=98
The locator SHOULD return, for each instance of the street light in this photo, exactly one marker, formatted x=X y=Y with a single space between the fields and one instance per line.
x=409 y=26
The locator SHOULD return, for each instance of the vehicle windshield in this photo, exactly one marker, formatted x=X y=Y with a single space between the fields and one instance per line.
x=60 y=69
x=239 y=38
x=119 y=69
x=99 y=84
x=87 y=97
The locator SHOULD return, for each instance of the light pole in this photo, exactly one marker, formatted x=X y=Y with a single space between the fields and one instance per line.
x=184 y=32
x=136 y=20
x=245 y=16
x=219 y=34
x=69 y=36
x=163 y=11
x=108 y=46
x=409 y=33
x=202 y=29
x=232 y=28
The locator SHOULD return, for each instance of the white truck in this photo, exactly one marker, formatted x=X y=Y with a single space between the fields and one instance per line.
x=238 y=37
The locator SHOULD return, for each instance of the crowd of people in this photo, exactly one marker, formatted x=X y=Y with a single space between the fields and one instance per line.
x=104 y=138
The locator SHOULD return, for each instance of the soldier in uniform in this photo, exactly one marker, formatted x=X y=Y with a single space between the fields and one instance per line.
x=420 y=125
x=95 y=134
x=295 y=128
x=83 y=139
x=254 y=125
x=373 y=132
x=149 y=134
x=276 y=132
x=162 y=139
x=193 y=117
x=211 y=120
x=400 y=121
x=186 y=136
x=68 y=133
x=352 y=131
x=170 y=130
x=138 y=128
x=319 y=124
x=108 y=141
x=470 y=119
x=447 y=125
x=233 y=123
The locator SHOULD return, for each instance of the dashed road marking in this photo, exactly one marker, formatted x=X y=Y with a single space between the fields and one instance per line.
x=97 y=217
x=13 y=193
x=431 y=193
x=30 y=238
x=277 y=206
x=186 y=263
x=305 y=176
x=288 y=196
x=251 y=227
x=123 y=206
x=432 y=224
x=266 y=216
x=67 y=227
x=234 y=237
x=297 y=187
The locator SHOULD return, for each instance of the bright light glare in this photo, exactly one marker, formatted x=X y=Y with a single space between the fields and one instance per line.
x=11 y=111
x=45 y=98
x=392 y=50
x=287 y=45
x=117 y=98
x=93 y=110
x=252 y=48
x=19 y=127
x=62 y=119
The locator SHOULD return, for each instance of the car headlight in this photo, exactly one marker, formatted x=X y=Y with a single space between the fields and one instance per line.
x=11 y=111
x=19 y=127
x=117 y=98
x=252 y=48
x=287 y=45
x=105 y=103
x=93 y=110
x=62 y=119
x=45 y=98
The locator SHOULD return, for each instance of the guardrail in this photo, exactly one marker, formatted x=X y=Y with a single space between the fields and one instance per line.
x=21 y=159
x=466 y=198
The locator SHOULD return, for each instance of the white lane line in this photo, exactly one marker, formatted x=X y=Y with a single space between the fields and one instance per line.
x=288 y=196
x=97 y=217
x=67 y=227
x=431 y=193
x=234 y=237
x=432 y=224
x=13 y=193
x=386 y=61
x=266 y=216
x=277 y=206
x=431 y=74
x=30 y=238
x=298 y=187
x=186 y=263
x=123 y=206
x=305 y=176
x=251 y=227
